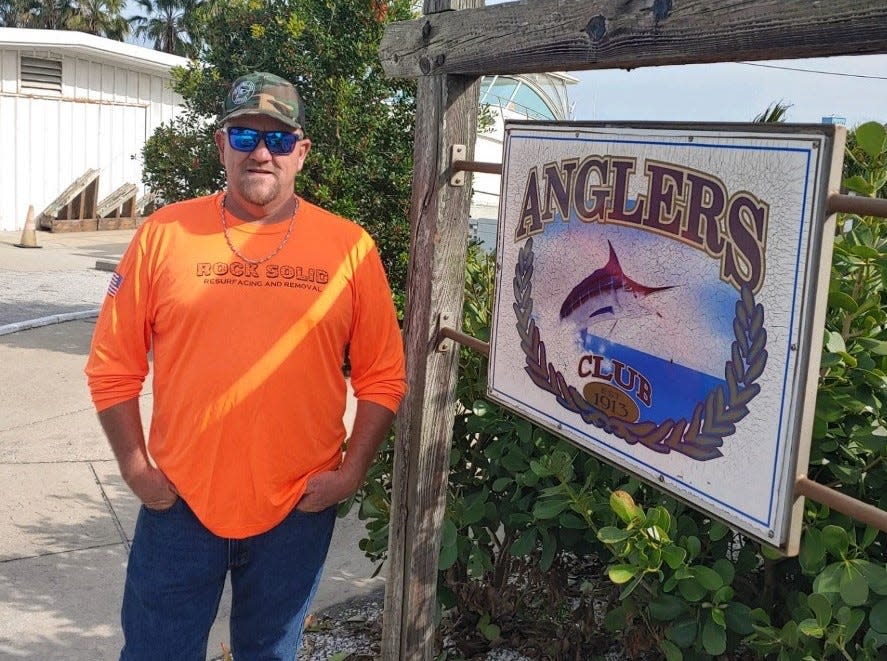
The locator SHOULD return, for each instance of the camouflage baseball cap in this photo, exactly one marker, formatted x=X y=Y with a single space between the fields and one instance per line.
x=263 y=93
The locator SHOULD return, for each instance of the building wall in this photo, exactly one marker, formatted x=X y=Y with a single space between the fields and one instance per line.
x=550 y=93
x=101 y=119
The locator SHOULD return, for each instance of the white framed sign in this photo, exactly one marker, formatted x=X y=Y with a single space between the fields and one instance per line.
x=660 y=302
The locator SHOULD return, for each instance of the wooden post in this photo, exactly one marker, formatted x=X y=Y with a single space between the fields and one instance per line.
x=446 y=114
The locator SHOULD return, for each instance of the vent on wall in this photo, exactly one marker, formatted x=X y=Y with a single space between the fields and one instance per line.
x=41 y=75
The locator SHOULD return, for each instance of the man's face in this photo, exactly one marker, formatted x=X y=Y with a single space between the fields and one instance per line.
x=260 y=178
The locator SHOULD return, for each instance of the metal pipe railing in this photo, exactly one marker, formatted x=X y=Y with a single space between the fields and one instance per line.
x=855 y=509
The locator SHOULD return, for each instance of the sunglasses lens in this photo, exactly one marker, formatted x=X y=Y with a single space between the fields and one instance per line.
x=243 y=139
x=280 y=142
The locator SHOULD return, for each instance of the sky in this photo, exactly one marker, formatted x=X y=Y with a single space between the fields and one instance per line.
x=855 y=87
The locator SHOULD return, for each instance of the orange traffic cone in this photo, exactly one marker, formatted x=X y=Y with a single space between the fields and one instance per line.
x=29 y=234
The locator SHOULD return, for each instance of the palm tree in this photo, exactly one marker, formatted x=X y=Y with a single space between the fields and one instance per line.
x=166 y=24
x=773 y=114
x=15 y=13
x=51 y=14
x=162 y=22
x=101 y=17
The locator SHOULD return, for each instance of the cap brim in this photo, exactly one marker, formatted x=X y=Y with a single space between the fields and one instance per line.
x=264 y=113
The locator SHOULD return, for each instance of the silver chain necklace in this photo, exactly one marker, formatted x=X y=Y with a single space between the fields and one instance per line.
x=289 y=230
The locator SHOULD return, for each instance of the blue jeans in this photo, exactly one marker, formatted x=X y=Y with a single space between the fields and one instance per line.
x=177 y=570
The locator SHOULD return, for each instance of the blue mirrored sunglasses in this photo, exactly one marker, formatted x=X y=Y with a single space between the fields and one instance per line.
x=246 y=140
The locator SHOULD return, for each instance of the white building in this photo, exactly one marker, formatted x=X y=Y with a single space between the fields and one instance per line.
x=541 y=96
x=69 y=102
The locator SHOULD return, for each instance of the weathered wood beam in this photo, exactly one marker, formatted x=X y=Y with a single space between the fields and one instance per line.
x=110 y=207
x=566 y=35
x=446 y=114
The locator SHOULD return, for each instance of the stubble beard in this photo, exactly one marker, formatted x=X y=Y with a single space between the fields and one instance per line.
x=259 y=193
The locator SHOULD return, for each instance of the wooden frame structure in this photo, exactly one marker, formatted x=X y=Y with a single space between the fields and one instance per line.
x=74 y=208
x=447 y=50
x=78 y=209
x=118 y=210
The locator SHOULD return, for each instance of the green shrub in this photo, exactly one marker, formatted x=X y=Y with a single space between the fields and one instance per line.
x=360 y=122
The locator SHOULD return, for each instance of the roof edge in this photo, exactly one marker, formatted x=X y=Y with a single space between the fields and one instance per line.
x=80 y=42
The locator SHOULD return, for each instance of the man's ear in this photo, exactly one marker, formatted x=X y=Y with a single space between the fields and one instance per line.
x=220 y=139
x=304 y=146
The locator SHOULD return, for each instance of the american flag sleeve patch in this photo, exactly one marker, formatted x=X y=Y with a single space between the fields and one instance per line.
x=116 y=281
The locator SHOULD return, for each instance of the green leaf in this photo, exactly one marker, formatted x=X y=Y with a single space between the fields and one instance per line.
x=725 y=570
x=812 y=553
x=821 y=607
x=549 y=548
x=481 y=408
x=658 y=517
x=628 y=589
x=707 y=577
x=570 y=521
x=876 y=575
x=835 y=540
x=524 y=431
x=666 y=607
x=877 y=347
x=671 y=651
x=674 y=556
x=717 y=615
x=854 y=588
x=612 y=535
x=693 y=546
x=548 y=509
x=871 y=138
x=714 y=638
x=448 y=533
x=851 y=619
x=738 y=618
x=842 y=301
x=620 y=574
x=717 y=531
x=691 y=590
x=683 y=632
x=512 y=461
x=834 y=342
x=616 y=619
x=723 y=594
x=878 y=617
x=858 y=184
x=447 y=557
x=490 y=631
x=865 y=252
x=810 y=627
x=829 y=579
x=501 y=484
x=789 y=633
x=525 y=544
x=478 y=562
x=474 y=513
x=339 y=656
x=624 y=506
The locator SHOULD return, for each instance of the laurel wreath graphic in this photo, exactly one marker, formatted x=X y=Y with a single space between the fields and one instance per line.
x=712 y=419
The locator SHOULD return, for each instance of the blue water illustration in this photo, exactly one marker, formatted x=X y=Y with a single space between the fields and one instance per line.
x=674 y=390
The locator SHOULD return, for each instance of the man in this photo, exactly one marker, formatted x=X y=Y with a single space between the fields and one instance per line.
x=249 y=299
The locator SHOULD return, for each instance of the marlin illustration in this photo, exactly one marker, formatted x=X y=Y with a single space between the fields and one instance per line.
x=607 y=295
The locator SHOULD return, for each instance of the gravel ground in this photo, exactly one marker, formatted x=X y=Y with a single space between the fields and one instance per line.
x=352 y=631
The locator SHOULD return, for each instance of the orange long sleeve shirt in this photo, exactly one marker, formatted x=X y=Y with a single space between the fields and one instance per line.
x=248 y=387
